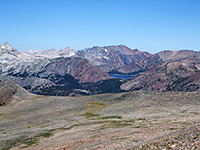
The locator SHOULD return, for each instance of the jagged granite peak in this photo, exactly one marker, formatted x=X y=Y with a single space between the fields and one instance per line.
x=7 y=46
x=11 y=58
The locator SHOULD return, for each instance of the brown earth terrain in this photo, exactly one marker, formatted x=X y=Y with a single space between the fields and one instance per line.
x=133 y=120
x=187 y=57
x=169 y=76
x=8 y=91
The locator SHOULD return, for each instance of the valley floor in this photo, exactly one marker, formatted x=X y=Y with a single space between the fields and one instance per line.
x=134 y=120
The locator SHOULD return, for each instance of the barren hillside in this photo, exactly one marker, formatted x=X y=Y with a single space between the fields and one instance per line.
x=107 y=121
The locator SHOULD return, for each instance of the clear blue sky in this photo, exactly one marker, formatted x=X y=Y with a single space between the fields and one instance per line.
x=149 y=25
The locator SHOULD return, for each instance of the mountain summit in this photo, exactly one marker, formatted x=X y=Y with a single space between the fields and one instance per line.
x=7 y=46
x=109 y=58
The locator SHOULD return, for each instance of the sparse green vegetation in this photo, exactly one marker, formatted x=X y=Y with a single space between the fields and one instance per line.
x=195 y=113
x=111 y=117
x=131 y=120
x=118 y=124
x=184 y=111
x=89 y=114
x=26 y=141
x=9 y=144
x=46 y=134
x=1 y=114
x=100 y=117
x=141 y=119
x=119 y=138
x=172 y=128
x=17 y=142
x=93 y=106
x=155 y=123
x=29 y=142
x=183 y=123
x=137 y=127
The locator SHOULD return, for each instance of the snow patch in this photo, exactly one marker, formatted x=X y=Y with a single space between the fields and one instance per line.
x=52 y=53
x=2 y=46
x=105 y=57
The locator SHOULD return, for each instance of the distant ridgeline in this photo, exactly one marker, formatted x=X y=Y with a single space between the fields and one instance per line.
x=108 y=69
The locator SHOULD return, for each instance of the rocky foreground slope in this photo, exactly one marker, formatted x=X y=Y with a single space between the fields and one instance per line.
x=133 y=120
x=9 y=91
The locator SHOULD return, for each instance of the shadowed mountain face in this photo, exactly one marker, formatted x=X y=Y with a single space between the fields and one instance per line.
x=9 y=90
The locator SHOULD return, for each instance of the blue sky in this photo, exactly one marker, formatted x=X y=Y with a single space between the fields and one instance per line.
x=149 y=25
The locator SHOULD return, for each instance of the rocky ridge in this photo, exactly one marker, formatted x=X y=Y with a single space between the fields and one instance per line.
x=69 y=70
x=164 y=56
x=109 y=58
x=9 y=90
x=52 y=53
x=180 y=73
x=38 y=73
x=104 y=58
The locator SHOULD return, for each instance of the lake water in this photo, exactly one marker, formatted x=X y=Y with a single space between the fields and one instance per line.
x=121 y=76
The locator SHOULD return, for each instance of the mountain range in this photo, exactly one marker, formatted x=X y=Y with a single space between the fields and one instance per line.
x=170 y=71
x=88 y=71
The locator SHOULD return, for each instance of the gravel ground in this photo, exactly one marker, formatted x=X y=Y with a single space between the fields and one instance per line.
x=134 y=120
x=187 y=140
